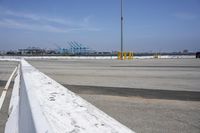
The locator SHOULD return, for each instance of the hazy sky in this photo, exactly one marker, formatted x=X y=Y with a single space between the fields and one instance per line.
x=150 y=25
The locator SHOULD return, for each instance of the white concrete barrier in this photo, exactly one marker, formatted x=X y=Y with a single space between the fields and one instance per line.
x=45 y=106
x=17 y=58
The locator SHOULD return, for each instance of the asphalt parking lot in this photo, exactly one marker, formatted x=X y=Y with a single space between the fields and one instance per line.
x=6 y=68
x=147 y=95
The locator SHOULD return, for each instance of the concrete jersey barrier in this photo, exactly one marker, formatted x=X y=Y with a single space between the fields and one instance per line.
x=45 y=106
x=17 y=58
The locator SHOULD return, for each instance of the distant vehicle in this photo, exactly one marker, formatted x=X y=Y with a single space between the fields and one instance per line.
x=197 y=54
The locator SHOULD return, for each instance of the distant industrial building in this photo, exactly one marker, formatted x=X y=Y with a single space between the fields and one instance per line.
x=31 y=51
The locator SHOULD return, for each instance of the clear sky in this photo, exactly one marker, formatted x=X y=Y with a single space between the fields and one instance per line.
x=150 y=25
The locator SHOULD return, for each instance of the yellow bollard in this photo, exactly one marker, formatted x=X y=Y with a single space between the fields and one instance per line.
x=129 y=55
x=119 y=54
x=124 y=56
x=132 y=55
x=156 y=56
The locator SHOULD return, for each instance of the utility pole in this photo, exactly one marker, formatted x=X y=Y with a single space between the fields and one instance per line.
x=122 y=29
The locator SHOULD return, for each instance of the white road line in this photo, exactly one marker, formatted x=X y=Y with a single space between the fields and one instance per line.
x=3 y=95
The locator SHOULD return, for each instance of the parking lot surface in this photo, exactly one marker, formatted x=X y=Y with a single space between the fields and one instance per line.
x=6 y=69
x=147 y=95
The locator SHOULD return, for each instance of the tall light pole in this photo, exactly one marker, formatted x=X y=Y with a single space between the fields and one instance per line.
x=122 y=19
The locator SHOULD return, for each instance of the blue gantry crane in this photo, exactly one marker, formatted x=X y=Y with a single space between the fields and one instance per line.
x=77 y=48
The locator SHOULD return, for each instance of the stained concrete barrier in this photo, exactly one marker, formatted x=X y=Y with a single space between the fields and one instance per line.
x=42 y=105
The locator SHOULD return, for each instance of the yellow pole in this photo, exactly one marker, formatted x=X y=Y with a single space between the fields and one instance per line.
x=124 y=56
x=129 y=55
x=120 y=56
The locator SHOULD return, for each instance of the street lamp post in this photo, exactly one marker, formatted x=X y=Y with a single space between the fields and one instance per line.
x=122 y=29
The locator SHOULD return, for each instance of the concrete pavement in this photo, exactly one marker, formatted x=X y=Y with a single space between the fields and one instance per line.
x=91 y=79
x=6 y=69
x=161 y=74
